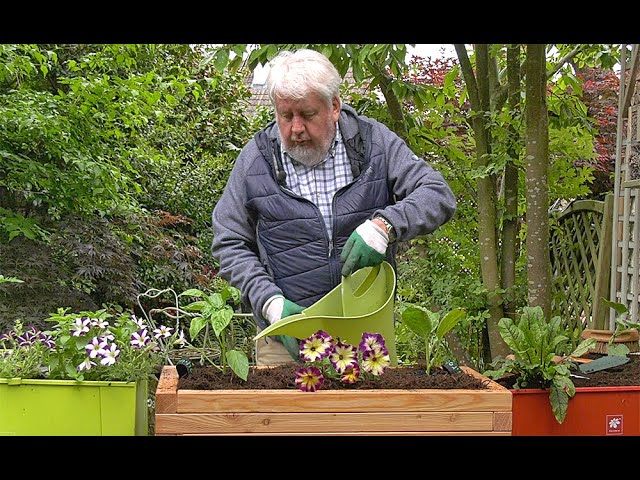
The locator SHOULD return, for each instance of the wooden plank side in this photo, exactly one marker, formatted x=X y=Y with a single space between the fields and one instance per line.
x=167 y=390
x=246 y=401
x=494 y=398
x=502 y=422
x=317 y=423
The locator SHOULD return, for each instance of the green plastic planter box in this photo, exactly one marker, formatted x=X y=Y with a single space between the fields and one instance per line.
x=68 y=407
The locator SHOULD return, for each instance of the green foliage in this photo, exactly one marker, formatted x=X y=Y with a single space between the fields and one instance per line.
x=88 y=263
x=16 y=224
x=107 y=133
x=431 y=327
x=568 y=178
x=214 y=312
x=535 y=344
x=438 y=272
x=54 y=161
x=169 y=251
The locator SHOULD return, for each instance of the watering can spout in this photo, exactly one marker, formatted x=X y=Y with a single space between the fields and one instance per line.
x=362 y=302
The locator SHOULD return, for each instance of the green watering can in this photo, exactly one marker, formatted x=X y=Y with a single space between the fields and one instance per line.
x=363 y=302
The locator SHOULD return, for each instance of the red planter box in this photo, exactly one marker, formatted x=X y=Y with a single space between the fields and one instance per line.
x=600 y=411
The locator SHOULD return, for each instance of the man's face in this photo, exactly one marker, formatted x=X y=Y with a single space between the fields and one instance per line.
x=307 y=127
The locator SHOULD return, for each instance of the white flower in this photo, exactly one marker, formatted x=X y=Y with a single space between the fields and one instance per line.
x=86 y=365
x=96 y=347
x=140 y=339
x=97 y=322
x=163 y=331
x=80 y=326
x=138 y=321
x=110 y=355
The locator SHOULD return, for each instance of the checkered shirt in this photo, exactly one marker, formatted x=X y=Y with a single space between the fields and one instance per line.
x=320 y=182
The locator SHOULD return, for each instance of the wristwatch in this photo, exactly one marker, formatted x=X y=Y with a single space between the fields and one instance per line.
x=391 y=232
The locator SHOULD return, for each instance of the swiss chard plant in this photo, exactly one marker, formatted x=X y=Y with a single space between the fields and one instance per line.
x=540 y=358
x=432 y=327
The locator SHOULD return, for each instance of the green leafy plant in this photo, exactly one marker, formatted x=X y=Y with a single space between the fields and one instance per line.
x=214 y=338
x=214 y=313
x=432 y=327
x=89 y=345
x=537 y=345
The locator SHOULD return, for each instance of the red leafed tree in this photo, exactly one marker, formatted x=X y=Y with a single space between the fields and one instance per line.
x=600 y=95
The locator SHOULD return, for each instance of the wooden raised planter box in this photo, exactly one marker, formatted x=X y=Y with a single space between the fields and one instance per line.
x=331 y=412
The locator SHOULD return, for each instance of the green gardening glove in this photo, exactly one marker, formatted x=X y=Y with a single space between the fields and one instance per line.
x=366 y=247
x=292 y=344
x=290 y=308
x=279 y=307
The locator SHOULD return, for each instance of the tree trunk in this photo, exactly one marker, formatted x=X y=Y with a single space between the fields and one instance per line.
x=537 y=166
x=478 y=88
x=510 y=244
x=399 y=126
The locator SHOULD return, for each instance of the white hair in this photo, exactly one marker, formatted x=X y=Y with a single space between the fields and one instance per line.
x=294 y=74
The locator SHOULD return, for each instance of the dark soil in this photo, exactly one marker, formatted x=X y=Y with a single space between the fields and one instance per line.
x=283 y=377
x=620 y=376
x=406 y=377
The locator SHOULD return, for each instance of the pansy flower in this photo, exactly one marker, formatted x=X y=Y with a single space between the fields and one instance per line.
x=99 y=323
x=29 y=338
x=140 y=339
x=138 y=321
x=95 y=347
x=47 y=340
x=180 y=342
x=86 y=365
x=309 y=379
x=375 y=361
x=343 y=356
x=371 y=341
x=351 y=374
x=107 y=336
x=316 y=347
x=8 y=337
x=163 y=331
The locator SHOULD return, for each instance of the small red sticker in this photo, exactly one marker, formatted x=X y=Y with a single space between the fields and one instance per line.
x=614 y=424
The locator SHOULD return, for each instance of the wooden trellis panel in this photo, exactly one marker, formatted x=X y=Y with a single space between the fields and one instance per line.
x=625 y=255
x=580 y=262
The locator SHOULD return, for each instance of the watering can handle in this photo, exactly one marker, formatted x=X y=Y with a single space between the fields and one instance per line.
x=350 y=289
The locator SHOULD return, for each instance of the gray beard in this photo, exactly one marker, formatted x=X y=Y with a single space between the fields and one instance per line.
x=309 y=157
